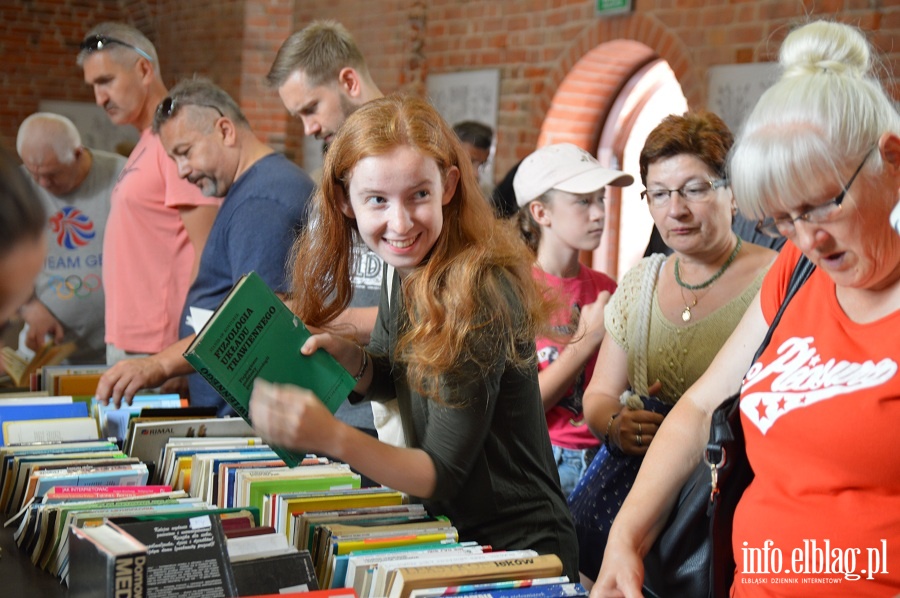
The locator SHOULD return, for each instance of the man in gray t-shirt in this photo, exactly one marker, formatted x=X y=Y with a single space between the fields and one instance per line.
x=321 y=78
x=74 y=184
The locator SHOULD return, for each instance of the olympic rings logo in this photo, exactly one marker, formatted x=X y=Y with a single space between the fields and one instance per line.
x=74 y=286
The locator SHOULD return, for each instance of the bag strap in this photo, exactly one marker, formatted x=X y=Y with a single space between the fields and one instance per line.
x=801 y=273
x=640 y=383
x=720 y=430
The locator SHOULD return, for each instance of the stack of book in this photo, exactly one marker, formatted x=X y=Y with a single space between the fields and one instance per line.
x=179 y=503
x=51 y=377
x=44 y=418
x=392 y=551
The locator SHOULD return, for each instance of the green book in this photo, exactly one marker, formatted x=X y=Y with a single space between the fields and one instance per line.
x=253 y=335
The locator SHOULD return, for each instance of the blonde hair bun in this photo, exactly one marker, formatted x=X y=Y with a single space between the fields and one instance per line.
x=825 y=47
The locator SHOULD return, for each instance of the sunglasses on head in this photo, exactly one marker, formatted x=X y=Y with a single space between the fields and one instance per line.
x=96 y=43
x=169 y=106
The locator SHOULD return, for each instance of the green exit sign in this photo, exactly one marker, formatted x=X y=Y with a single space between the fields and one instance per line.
x=606 y=8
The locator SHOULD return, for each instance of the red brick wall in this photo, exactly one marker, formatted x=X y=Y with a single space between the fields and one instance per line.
x=533 y=42
x=201 y=38
x=38 y=45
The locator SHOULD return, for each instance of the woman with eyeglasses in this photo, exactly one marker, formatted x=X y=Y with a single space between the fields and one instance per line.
x=819 y=159
x=669 y=316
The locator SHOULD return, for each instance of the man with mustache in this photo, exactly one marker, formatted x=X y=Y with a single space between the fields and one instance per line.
x=158 y=223
x=210 y=141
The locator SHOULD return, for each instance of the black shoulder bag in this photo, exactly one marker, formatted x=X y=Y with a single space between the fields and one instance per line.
x=693 y=556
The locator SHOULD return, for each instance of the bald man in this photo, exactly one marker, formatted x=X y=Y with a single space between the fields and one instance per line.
x=74 y=185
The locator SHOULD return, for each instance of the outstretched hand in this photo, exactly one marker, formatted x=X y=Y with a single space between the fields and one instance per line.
x=621 y=574
x=124 y=379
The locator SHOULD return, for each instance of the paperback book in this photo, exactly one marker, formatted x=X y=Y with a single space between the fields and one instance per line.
x=253 y=335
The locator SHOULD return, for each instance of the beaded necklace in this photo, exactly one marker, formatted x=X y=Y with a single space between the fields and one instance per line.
x=686 y=312
x=715 y=277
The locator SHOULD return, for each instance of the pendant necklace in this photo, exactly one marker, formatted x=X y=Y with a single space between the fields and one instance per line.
x=686 y=312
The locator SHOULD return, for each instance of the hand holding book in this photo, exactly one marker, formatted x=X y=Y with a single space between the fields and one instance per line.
x=254 y=335
x=295 y=417
x=350 y=355
x=292 y=417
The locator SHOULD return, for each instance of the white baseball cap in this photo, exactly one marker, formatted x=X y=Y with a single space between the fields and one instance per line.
x=565 y=167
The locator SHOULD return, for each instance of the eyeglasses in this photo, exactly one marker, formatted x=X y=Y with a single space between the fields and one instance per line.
x=693 y=192
x=96 y=43
x=784 y=226
x=169 y=106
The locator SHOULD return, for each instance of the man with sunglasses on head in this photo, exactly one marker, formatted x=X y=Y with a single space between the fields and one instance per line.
x=210 y=141
x=158 y=223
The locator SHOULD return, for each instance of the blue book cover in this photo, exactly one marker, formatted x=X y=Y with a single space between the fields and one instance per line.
x=556 y=590
x=20 y=412
x=114 y=420
x=6 y=460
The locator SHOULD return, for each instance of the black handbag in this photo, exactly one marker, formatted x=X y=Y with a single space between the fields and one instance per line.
x=693 y=556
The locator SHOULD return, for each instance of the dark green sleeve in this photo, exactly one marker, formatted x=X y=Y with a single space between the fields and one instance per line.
x=381 y=342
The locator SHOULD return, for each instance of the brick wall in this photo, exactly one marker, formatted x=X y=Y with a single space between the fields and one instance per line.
x=533 y=42
x=38 y=45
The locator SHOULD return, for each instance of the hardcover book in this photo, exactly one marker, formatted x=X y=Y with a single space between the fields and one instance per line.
x=186 y=557
x=63 y=429
x=253 y=335
x=289 y=571
x=106 y=562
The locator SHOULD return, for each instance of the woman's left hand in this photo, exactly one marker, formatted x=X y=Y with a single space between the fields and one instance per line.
x=346 y=352
x=292 y=417
x=634 y=429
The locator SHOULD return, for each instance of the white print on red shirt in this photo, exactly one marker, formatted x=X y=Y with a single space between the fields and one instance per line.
x=802 y=378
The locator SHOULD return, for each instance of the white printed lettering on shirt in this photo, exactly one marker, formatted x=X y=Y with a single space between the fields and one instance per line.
x=802 y=379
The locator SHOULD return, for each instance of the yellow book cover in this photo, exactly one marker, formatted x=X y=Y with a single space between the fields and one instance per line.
x=290 y=507
x=78 y=385
x=182 y=479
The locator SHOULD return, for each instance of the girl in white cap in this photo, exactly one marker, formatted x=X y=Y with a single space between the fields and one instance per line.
x=560 y=191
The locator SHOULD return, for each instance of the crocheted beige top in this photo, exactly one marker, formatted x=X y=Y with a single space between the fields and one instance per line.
x=677 y=355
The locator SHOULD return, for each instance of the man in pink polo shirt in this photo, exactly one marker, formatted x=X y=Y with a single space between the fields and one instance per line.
x=158 y=222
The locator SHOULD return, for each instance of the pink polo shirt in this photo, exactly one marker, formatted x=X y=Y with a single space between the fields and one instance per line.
x=147 y=255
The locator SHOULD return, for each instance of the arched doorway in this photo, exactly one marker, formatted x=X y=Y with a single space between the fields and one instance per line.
x=607 y=104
